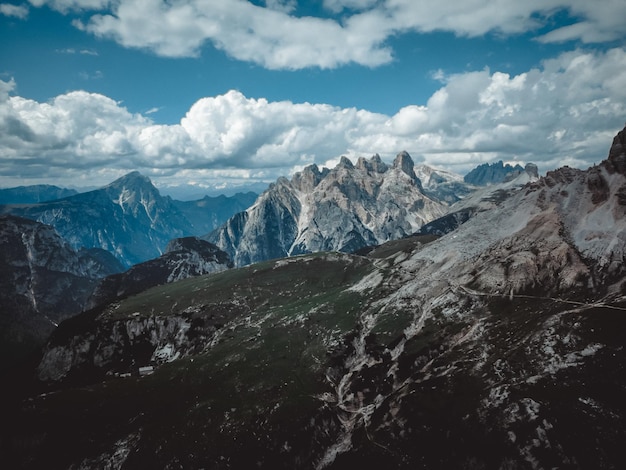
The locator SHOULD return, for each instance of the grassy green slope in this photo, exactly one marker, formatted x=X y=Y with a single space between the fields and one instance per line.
x=250 y=395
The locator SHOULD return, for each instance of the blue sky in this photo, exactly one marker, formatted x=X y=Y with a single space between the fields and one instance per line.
x=217 y=93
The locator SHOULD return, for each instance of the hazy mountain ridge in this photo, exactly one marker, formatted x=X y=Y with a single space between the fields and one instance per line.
x=33 y=194
x=490 y=173
x=208 y=213
x=343 y=209
x=497 y=345
x=129 y=218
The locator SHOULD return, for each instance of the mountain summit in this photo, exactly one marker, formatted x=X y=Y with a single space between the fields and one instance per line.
x=343 y=209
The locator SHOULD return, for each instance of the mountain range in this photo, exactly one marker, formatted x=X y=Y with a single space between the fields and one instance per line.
x=369 y=203
x=490 y=173
x=129 y=218
x=343 y=209
x=496 y=345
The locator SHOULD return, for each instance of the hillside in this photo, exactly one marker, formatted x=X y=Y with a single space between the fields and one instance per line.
x=183 y=258
x=42 y=281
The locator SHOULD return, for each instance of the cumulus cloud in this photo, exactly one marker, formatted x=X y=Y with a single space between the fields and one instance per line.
x=274 y=37
x=16 y=11
x=267 y=36
x=564 y=112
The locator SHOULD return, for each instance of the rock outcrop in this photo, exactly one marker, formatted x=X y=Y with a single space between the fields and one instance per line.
x=44 y=281
x=183 y=258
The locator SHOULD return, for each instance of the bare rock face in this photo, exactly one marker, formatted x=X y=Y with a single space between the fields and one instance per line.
x=44 y=281
x=617 y=153
x=532 y=170
x=404 y=162
x=343 y=209
x=598 y=186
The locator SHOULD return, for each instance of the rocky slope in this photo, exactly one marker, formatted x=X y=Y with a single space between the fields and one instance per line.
x=443 y=185
x=183 y=258
x=343 y=209
x=43 y=281
x=497 y=345
x=479 y=200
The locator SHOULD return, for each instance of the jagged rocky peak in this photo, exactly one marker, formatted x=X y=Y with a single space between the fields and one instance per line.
x=189 y=244
x=404 y=162
x=492 y=173
x=345 y=162
x=134 y=190
x=617 y=153
x=374 y=164
x=309 y=177
x=134 y=178
x=532 y=170
x=343 y=209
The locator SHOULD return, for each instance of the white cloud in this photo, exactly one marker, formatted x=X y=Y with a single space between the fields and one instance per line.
x=565 y=112
x=340 y=5
x=72 y=51
x=286 y=6
x=273 y=37
x=247 y=32
x=97 y=75
x=599 y=22
x=73 y=5
x=16 y=11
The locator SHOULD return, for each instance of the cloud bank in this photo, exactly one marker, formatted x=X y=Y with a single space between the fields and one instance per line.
x=565 y=112
x=352 y=31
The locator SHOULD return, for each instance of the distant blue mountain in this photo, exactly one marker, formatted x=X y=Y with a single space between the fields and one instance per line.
x=130 y=218
x=34 y=194
x=209 y=213
x=492 y=173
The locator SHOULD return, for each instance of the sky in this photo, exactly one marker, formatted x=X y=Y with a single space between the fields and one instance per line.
x=219 y=94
